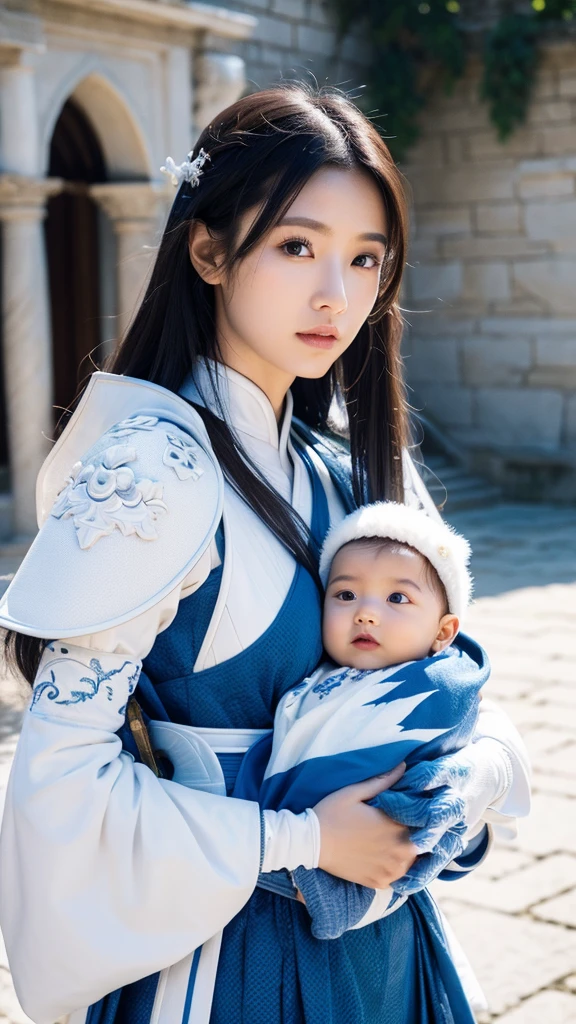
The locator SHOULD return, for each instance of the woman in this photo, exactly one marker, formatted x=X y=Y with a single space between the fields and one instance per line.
x=275 y=288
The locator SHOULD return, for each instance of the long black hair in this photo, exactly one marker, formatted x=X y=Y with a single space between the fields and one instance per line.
x=263 y=149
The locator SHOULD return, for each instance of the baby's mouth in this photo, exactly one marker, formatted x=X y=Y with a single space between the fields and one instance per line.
x=365 y=642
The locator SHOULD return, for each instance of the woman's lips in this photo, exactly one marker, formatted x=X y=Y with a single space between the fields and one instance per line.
x=317 y=340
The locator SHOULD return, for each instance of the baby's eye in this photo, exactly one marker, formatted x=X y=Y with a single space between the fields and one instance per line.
x=345 y=595
x=398 y=598
x=369 y=261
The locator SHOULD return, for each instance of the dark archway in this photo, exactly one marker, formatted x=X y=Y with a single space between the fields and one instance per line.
x=73 y=253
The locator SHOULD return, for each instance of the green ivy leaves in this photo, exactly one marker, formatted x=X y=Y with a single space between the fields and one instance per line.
x=417 y=45
x=555 y=10
x=510 y=60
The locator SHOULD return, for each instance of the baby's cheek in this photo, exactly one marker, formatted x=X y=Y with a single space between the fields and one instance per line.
x=333 y=632
x=326 y=630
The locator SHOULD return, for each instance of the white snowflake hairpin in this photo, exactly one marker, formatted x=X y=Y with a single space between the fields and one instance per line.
x=189 y=170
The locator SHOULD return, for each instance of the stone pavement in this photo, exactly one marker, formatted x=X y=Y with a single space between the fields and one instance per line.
x=515 y=916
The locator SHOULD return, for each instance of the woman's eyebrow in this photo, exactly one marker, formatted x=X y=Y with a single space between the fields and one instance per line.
x=317 y=225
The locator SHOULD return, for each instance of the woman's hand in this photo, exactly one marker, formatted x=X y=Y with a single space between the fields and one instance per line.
x=360 y=843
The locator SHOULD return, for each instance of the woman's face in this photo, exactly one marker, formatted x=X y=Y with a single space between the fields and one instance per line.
x=316 y=271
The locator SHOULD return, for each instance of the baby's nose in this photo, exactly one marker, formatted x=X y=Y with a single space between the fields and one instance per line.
x=366 y=617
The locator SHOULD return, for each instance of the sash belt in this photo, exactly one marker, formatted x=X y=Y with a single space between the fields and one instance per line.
x=213 y=764
x=230 y=745
x=230 y=764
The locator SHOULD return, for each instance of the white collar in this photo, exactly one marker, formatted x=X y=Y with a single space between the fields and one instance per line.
x=247 y=409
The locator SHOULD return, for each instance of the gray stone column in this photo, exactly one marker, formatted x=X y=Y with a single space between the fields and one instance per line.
x=136 y=211
x=18 y=116
x=220 y=81
x=27 y=344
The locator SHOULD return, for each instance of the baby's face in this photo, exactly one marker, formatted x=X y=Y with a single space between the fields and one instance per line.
x=381 y=609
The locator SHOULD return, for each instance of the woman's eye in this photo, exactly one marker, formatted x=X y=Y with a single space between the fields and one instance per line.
x=397 y=598
x=294 y=247
x=369 y=261
x=346 y=595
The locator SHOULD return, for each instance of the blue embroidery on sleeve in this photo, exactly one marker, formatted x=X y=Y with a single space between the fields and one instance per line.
x=49 y=688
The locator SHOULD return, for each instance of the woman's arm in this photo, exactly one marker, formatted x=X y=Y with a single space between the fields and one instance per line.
x=496 y=753
x=107 y=873
x=491 y=775
x=514 y=802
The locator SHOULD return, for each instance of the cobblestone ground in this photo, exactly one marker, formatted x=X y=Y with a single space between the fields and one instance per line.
x=515 y=916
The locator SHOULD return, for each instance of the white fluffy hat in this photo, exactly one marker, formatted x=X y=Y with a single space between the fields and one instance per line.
x=445 y=549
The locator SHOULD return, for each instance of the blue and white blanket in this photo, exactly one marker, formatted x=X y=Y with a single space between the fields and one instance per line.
x=344 y=725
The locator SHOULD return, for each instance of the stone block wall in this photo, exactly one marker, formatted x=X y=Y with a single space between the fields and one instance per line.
x=491 y=346
x=294 y=37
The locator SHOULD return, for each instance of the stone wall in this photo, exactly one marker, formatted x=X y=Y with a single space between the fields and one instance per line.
x=491 y=348
x=294 y=37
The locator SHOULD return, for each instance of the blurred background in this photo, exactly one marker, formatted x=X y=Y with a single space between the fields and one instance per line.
x=478 y=103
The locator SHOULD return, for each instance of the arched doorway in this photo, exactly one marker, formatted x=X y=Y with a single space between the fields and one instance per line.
x=73 y=253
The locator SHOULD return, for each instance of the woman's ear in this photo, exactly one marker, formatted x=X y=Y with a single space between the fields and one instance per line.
x=203 y=249
x=447 y=630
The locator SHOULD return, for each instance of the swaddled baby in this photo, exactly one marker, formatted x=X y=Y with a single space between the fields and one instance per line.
x=401 y=685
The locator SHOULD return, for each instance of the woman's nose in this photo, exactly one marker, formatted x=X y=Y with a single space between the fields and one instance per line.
x=331 y=293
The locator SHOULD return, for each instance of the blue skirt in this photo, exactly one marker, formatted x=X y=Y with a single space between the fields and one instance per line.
x=273 y=971
x=395 y=971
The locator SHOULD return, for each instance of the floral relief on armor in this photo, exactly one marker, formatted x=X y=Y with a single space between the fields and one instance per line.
x=132 y=424
x=183 y=457
x=104 y=496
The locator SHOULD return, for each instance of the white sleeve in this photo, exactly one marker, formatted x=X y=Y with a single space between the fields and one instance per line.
x=290 y=840
x=514 y=803
x=107 y=873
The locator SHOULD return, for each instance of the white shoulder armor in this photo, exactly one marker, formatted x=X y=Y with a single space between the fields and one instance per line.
x=128 y=500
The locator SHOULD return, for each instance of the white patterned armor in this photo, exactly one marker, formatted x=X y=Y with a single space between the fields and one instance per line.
x=128 y=501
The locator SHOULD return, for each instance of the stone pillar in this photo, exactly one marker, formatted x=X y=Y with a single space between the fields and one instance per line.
x=27 y=337
x=135 y=210
x=18 y=116
x=220 y=81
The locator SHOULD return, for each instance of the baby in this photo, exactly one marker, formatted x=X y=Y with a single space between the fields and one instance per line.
x=401 y=685
x=385 y=601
